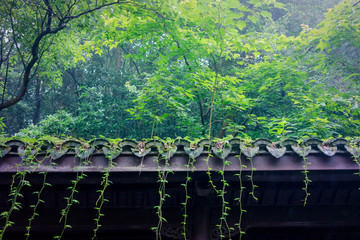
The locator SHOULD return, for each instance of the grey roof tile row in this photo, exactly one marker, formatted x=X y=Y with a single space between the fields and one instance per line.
x=221 y=148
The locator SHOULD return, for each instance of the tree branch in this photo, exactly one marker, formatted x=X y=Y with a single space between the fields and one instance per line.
x=34 y=57
x=5 y=81
x=29 y=66
x=200 y=108
x=14 y=38
x=136 y=67
x=95 y=9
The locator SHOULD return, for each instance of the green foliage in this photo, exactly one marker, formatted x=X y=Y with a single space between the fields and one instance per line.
x=162 y=179
x=39 y=201
x=58 y=124
x=18 y=182
x=105 y=183
x=189 y=167
x=239 y=199
x=171 y=68
x=2 y=126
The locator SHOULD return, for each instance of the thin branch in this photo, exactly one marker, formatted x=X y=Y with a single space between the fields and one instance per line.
x=40 y=56
x=61 y=15
x=245 y=120
x=49 y=12
x=70 y=5
x=214 y=90
x=1 y=48
x=29 y=66
x=73 y=77
x=201 y=108
x=38 y=19
x=179 y=47
x=5 y=81
x=95 y=9
x=14 y=38
x=34 y=57
x=37 y=4
x=136 y=67
x=7 y=58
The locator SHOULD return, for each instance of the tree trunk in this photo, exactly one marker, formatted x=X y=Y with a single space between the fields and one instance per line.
x=118 y=59
x=36 y=115
x=223 y=129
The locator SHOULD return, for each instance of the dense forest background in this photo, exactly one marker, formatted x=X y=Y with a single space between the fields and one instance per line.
x=168 y=68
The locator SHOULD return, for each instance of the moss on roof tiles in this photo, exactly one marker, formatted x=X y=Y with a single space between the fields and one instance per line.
x=58 y=147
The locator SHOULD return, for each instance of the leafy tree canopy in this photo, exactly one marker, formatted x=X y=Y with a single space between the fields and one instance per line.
x=183 y=68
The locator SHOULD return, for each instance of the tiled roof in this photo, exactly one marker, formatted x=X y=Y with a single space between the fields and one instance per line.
x=130 y=155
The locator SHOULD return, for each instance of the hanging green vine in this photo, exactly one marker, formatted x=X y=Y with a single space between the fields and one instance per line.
x=82 y=154
x=162 y=179
x=110 y=155
x=164 y=153
x=250 y=152
x=222 y=149
x=354 y=149
x=17 y=183
x=38 y=193
x=14 y=196
x=37 y=204
x=303 y=152
x=224 y=204
x=251 y=177
x=193 y=152
x=239 y=199
x=208 y=172
x=306 y=180
x=188 y=166
x=70 y=201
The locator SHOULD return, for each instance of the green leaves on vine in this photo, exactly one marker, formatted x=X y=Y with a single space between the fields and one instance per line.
x=29 y=161
x=303 y=152
x=166 y=151
x=83 y=154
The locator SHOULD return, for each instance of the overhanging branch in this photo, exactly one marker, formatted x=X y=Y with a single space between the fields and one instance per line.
x=48 y=30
